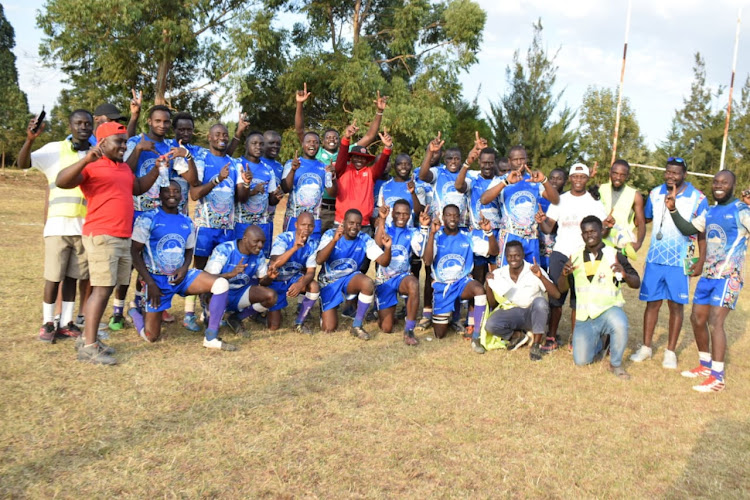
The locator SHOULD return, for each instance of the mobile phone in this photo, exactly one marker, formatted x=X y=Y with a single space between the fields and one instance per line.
x=39 y=121
x=245 y=118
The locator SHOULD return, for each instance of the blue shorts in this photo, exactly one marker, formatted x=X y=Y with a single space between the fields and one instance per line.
x=722 y=292
x=208 y=238
x=530 y=248
x=333 y=294
x=444 y=295
x=240 y=228
x=281 y=287
x=291 y=222
x=236 y=294
x=386 y=294
x=168 y=289
x=664 y=282
x=480 y=260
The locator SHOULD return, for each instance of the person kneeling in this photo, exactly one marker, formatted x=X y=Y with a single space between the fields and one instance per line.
x=598 y=272
x=242 y=263
x=520 y=290
x=168 y=238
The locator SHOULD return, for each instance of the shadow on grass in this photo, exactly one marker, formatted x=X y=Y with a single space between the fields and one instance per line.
x=718 y=464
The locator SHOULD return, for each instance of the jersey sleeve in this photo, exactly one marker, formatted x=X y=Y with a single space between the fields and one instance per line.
x=280 y=245
x=434 y=173
x=744 y=217
x=326 y=239
x=418 y=240
x=480 y=246
x=200 y=167
x=702 y=207
x=287 y=169
x=217 y=260
x=699 y=222
x=142 y=227
x=648 y=211
x=262 y=270
x=190 y=243
x=132 y=143
x=554 y=212
x=372 y=250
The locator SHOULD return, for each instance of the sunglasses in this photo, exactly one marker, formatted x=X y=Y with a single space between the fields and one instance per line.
x=675 y=159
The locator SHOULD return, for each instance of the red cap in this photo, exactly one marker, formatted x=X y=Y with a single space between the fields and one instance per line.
x=110 y=128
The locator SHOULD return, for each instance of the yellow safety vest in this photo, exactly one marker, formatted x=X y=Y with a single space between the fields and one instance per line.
x=66 y=202
x=624 y=230
x=596 y=296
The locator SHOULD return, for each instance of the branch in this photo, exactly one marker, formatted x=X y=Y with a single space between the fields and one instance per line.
x=403 y=57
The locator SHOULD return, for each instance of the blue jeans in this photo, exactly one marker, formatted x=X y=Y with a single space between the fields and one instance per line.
x=588 y=336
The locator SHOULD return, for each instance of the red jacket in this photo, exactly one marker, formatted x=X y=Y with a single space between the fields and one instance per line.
x=355 y=187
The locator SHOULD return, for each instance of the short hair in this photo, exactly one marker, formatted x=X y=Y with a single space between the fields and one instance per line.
x=329 y=130
x=217 y=125
x=402 y=156
x=159 y=107
x=514 y=244
x=271 y=132
x=172 y=181
x=252 y=133
x=451 y=205
x=561 y=170
x=488 y=151
x=458 y=150
x=80 y=111
x=517 y=147
x=734 y=177
x=310 y=132
x=402 y=201
x=592 y=219
x=182 y=115
x=622 y=162
x=352 y=211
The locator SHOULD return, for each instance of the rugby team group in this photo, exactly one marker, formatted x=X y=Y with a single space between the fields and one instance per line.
x=498 y=240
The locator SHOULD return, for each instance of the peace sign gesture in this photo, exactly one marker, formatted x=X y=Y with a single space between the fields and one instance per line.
x=136 y=101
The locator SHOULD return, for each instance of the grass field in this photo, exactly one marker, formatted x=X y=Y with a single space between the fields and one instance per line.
x=332 y=416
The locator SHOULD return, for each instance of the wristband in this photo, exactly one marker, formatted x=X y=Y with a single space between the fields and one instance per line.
x=504 y=182
x=488 y=233
x=544 y=180
x=379 y=114
x=673 y=211
x=466 y=165
x=188 y=156
x=215 y=180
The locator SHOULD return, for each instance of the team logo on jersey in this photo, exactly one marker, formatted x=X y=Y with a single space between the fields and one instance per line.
x=451 y=267
x=170 y=252
x=222 y=199
x=257 y=203
x=522 y=206
x=452 y=197
x=308 y=190
x=289 y=270
x=716 y=240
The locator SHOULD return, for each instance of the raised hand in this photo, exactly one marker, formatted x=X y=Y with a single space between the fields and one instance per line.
x=386 y=138
x=146 y=145
x=386 y=240
x=671 y=199
x=471 y=157
x=411 y=186
x=609 y=222
x=383 y=212
x=479 y=142
x=247 y=175
x=424 y=217
x=299 y=240
x=514 y=176
x=302 y=95
x=339 y=233
x=568 y=267
x=260 y=188
x=237 y=269
x=295 y=160
x=135 y=102
x=30 y=134
x=351 y=130
x=272 y=272
x=242 y=125
x=484 y=223
x=435 y=224
x=224 y=173
x=537 y=176
x=617 y=268
x=436 y=144
x=178 y=152
x=593 y=169
x=381 y=102
x=746 y=196
x=535 y=269
x=540 y=216
x=94 y=154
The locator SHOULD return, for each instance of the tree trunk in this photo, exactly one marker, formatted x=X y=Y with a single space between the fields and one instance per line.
x=162 y=72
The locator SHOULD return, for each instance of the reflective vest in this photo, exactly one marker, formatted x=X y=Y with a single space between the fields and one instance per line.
x=66 y=202
x=624 y=230
x=596 y=296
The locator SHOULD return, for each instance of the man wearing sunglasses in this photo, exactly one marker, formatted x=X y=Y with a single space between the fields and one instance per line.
x=671 y=258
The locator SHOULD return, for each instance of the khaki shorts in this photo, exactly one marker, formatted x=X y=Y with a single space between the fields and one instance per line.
x=109 y=260
x=64 y=256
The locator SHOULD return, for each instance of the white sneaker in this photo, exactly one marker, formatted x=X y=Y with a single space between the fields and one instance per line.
x=642 y=354
x=217 y=343
x=670 y=360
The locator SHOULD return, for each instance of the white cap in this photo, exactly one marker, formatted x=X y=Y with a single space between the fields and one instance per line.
x=579 y=168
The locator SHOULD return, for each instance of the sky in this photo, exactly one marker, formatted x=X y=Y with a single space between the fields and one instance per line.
x=588 y=36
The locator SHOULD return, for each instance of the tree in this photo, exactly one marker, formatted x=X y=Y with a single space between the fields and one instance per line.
x=739 y=138
x=526 y=113
x=14 y=107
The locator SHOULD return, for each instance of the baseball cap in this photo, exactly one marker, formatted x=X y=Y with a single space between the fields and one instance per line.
x=108 y=110
x=579 y=168
x=109 y=128
x=357 y=150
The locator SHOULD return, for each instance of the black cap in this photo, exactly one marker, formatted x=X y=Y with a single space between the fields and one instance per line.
x=108 y=110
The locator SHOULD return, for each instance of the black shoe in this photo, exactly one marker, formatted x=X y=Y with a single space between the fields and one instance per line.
x=536 y=353
x=360 y=333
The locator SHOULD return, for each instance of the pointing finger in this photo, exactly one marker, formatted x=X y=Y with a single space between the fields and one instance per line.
x=296 y=153
x=438 y=136
x=304 y=86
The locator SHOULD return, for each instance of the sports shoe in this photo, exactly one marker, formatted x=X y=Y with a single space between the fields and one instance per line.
x=642 y=354
x=349 y=312
x=371 y=315
x=116 y=322
x=458 y=327
x=424 y=324
x=698 y=371
x=302 y=328
x=520 y=340
x=217 y=343
x=409 y=338
x=619 y=372
x=70 y=330
x=670 y=360
x=711 y=384
x=235 y=323
x=190 y=323
x=166 y=317
x=47 y=333
x=80 y=321
x=550 y=344
x=360 y=333
x=80 y=342
x=401 y=312
x=95 y=354
x=469 y=332
x=536 y=353
x=477 y=347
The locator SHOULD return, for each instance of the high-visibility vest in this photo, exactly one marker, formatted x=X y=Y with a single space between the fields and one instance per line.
x=602 y=292
x=624 y=230
x=66 y=202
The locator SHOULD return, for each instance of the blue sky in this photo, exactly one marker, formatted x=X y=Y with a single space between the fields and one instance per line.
x=664 y=36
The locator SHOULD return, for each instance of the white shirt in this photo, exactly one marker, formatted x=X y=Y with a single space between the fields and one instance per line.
x=568 y=214
x=522 y=292
x=47 y=160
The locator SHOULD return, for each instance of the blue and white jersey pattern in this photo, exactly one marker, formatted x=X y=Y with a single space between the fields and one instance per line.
x=227 y=256
x=727 y=228
x=390 y=192
x=216 y=209
x=520 y=203
x=165 y=238
x=454 y=255
x=299 y=262
x=180 y=164
x=404 y=242
x=347 y=256
x=476 y=186
x=668 y=245
x=256 y=209
x=146 y=161
x=307 y=190
x=445 y=193
x=274 y=165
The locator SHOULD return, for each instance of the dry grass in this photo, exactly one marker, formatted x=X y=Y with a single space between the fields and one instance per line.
x=331 y=416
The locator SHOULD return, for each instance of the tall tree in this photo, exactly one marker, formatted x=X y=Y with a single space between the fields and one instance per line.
x=528 y=112
x=739 y=138
x=14 y=107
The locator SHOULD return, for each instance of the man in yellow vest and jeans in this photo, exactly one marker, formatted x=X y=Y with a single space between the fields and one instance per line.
x=64 y=256
x=598 y=272
x=626 y=206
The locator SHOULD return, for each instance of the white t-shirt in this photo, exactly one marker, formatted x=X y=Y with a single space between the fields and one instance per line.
x=521 y=292
x=47 y=160
x=569 y=213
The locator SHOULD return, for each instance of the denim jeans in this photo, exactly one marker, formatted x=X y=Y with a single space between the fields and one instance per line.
x=588 y=336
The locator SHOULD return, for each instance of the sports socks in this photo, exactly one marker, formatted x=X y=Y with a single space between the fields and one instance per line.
x=480 y=304
x=717 y=370
x=410 y=325
x=307 y=302
x=48 y=313
x=118 y=306
x=363 y=305
x=66 y=313
x=705 y=359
